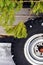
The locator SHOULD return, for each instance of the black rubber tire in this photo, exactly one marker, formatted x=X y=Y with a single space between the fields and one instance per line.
x=17 y=48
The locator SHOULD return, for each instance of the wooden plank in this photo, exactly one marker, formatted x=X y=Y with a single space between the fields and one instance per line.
x=22 y=15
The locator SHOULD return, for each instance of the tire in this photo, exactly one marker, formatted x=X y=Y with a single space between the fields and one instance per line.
x=34 y=26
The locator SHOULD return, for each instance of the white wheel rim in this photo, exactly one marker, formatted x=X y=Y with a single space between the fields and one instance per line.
x=27 y=52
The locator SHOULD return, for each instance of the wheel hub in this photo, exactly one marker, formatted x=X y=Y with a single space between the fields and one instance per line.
x=33 y=49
